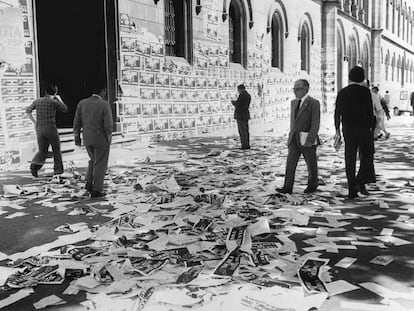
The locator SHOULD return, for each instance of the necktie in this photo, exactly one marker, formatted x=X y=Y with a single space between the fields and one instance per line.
x=297 y=108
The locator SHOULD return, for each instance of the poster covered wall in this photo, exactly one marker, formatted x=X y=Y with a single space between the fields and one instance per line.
x=17 y=79
x=174 y=97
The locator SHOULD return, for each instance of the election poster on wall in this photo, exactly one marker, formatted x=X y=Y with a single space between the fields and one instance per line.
x=12 y=41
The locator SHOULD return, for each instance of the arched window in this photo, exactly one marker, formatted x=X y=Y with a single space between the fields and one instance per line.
x=277 y=41
x=178 y=28
x=353 y=53
x=408 y=25
x=403 y=14
x=305 y=48
x=387 y=14
x=365 y=60
x=399 y=19
x=366 y=11
x=407 y=70
x=412 y=28
x=393 y=6
x=237 y=33
x=392 y=67
x=398 y=68
x=387 y=64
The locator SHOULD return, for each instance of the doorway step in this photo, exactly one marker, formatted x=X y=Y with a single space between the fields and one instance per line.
x=67 y=140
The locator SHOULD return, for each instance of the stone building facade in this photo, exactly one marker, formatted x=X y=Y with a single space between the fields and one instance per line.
x=173 y=66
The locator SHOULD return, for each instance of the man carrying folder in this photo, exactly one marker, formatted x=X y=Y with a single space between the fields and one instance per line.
x=303 y=137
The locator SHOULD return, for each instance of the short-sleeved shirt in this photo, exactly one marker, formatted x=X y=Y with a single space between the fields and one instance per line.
x=46 y=110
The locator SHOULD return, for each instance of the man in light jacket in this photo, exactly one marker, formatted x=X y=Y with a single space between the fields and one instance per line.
x=93 y=115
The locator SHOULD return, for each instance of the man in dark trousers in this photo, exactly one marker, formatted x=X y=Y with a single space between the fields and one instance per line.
x=355 y=111
x=93 y=115
x=46 y=130
x=242 y=115
x=303 y=137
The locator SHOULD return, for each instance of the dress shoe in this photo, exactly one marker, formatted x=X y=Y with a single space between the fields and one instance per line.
x=284 y=190
x=245 y=148
x=363 y=190
x=310 y=190
x=89 y=186
x=33 y=170
x=352 y=195
x=97 y=194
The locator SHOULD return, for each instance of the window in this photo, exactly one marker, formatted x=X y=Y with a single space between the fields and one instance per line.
x=398 y=68
x=365 y=60
x=393 y=16
x=305 y=48
x=399 y=19
x=353 y=56
x=237 y=33
x=387 y=64
x=178 y=28
x=366 y=11
x=387 y=15
x=277 y=41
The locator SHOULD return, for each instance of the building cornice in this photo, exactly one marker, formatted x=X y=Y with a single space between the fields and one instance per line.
x=397 y=44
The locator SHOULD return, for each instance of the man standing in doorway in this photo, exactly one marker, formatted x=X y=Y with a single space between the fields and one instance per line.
x=93 y=115
x=303 y=137
x=354 y=110
x=46 y=130
x=242 y=115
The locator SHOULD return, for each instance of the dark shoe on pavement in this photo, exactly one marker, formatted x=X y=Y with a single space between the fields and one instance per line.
x=245 y=148
x=89 y=186
x=310 y=190
x=33 y=170
x=363 y=190
x=352 y=195
x=97 y=194
x=284 y=190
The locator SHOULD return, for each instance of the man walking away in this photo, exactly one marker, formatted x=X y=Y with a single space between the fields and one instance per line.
x=354 y=110
x=242 y=115
x=46 y=130
x=303 y=137
x=93 y=115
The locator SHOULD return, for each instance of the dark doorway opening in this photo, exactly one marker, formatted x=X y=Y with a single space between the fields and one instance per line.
x=71 y=41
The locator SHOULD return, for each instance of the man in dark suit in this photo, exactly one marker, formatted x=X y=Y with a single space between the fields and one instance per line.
x=93 y=115
x=355 y=111
x=242 y=115
x=303 y=137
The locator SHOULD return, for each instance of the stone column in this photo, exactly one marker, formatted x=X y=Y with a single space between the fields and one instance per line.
x=329 y=37
x=376 y=55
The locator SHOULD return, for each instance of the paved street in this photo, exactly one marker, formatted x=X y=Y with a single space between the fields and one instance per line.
x=140 y=182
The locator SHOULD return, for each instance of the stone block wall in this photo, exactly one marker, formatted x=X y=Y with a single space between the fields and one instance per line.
x=168 y=96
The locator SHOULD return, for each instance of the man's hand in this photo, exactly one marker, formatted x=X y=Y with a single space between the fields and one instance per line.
x=109 y=137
